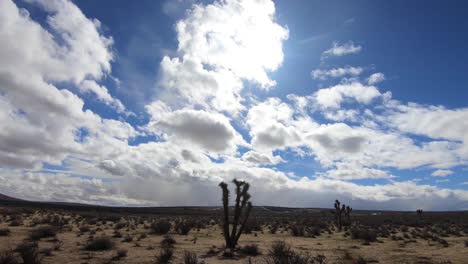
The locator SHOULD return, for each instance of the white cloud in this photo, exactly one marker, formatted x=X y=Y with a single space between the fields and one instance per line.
x=259 y=158
x=441 y=173
x=212 y=131
x=333 y=97
x=339 y=50
x=221 y=45
x=375 y=78
x=40 y=121
x=336 y=72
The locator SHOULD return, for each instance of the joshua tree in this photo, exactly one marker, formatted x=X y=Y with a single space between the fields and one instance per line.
x=339 y=210
x=419 y=212
x=241 y=212
x=347 y=212
x=338 y=213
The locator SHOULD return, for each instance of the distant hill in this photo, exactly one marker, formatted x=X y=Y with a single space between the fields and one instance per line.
x=8 y=198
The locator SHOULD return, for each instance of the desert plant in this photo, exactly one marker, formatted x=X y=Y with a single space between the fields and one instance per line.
x=250 y=250
x=100 y=244
x=160 y=227
x=338 y=214
x=168 y=241
x=7 y=257
x=29 y=253
x=241 y=212
x=363 y=233
x=419 y=212
x=42 y=232
x=120 y=254
x=165 y=255
x=281 y=253
x=184 y=227
x=190 y=257
x=347 y=213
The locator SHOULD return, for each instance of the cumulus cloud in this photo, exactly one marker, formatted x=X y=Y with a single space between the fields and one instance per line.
x=41 y=121
x=212 y=131
x=333 y=97
x=336 y=72
x=215 y=42
x=338 y=50
x=375 y=78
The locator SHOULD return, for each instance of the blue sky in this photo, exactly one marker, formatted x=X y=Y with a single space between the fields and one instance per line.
x=361 y=100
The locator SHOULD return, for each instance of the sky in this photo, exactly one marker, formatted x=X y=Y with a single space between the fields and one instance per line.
x=155 y=103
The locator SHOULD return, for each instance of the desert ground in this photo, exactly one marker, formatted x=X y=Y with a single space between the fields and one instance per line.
x=59 y=233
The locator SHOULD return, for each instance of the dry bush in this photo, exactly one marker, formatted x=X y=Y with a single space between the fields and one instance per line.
x=42 y=232
x=7 y=257
x=100 y=244
x=165 y=255
x=251 y=250
x=160 y=227
x=190 y=257
x=168 y=241
x=29 y=253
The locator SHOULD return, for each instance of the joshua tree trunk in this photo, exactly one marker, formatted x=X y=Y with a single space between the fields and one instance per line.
x=338 y=214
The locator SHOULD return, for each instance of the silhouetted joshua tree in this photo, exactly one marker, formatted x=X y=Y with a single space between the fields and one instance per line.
x=419 y=212
x=241 y=212
x=347 y=213
x=338 y=214
x=339 y=211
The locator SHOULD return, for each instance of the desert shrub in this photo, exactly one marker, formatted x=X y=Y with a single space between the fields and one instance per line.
x=466 y=243
x=127 y=239
x=184 y=227
x=29 y=253
x=273 y=229
x=5 y=231
x=165 y=255
x=360 y=260
x=42 y=232
x=190 y=257
x=251 y=226
x=160 y=227
x=313 y=231
x=443 y=242
x=84 y=228
x=7 y=257
x=100 y=244
x=117 y=234
x=365 y=234
x=250 y=249
x=16 y=222
x=120 y=225
x=297 y=230
x=120 y=254
x=281 y=253
x=168 y=241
